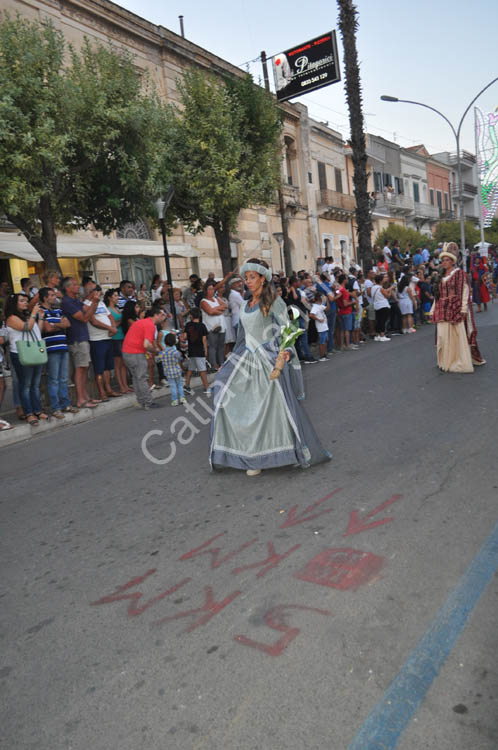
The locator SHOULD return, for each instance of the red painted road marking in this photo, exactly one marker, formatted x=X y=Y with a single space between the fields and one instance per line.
x=293 y=520
x=270 y=562
x=210 y=607
x=342 y=568
x=274 y=618
x=216 y=560
x=357 y=525
x=134 y=596
x=196 y=550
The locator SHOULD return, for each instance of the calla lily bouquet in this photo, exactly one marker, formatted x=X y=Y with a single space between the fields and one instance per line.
x=289 y=335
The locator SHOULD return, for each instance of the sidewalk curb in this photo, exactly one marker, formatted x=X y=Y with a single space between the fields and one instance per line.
x=23 y=431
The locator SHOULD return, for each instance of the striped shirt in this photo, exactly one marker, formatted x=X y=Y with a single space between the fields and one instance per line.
x=55 y=340
x=122 y=300
x=171 y=358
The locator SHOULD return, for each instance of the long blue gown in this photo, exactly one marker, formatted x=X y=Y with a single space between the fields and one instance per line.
x=258 y=423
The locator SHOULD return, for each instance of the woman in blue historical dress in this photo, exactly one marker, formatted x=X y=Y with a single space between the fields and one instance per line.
x=257 y=422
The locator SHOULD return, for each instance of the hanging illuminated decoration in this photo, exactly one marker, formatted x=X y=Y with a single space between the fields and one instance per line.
x=486 y=126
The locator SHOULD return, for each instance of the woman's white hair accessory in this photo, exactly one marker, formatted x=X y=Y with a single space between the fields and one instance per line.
x=262 y=270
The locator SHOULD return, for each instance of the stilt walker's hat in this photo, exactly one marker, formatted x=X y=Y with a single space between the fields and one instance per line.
x=450 y=250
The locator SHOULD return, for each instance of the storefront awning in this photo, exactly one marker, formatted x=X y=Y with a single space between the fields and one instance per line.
x=16 y=246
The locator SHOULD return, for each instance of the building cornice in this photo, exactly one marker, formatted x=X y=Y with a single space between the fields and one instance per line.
x=123 y=26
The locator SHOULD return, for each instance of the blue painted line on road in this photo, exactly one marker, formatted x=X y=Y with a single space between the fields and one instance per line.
x=387 y=721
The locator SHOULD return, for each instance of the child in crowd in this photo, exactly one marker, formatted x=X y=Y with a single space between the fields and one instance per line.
x=196 y=333
x=318 y=314
x=170 y=360
x=183 y=348
x=355 y=334
x=163 y=329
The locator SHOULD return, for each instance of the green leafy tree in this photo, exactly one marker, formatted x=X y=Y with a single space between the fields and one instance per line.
x=224 y=153
x=449 y=231
x=491 y=233
x=404 y=235
x=81 y=135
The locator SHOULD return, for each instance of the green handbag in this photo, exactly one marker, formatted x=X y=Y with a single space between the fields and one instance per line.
x=31 y=351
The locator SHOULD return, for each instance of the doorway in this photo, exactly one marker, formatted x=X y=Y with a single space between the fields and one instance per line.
x=138 y=269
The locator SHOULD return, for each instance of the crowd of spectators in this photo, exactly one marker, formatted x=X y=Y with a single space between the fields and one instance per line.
x=154 y=336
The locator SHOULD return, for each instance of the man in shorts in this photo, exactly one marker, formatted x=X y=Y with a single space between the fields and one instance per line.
x=78 y=340
x=196 y=333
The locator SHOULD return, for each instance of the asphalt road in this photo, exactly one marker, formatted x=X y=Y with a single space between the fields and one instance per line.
x=352 y=605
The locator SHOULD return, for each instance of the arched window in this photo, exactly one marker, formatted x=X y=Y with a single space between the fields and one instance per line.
x=138 y=230
x=290 y=160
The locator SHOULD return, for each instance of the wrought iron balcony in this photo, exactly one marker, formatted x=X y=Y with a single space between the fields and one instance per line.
x=469 y=191
x=466 y=158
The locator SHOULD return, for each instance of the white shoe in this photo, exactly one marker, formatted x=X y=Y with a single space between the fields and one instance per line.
x=253 y=472
x=384 y=338
x=377 y=338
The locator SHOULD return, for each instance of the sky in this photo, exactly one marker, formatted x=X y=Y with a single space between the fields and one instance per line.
x=439 y=52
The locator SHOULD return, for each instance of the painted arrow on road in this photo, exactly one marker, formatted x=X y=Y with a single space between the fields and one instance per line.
x=293 y=519
x=356 y=524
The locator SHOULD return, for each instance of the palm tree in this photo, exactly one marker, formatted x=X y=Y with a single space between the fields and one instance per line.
x=348 y=23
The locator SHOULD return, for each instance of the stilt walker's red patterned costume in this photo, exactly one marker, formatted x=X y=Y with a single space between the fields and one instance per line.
x=456 y=332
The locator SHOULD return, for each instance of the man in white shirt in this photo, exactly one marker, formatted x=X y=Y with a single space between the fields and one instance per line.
x=426 y=254
x=100 y=330
x=369 y=282
x=328 y=268
x=319 y=316
x=388 y=256
x=235 y=301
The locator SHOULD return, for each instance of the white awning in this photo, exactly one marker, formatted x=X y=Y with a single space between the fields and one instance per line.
x=17 y=246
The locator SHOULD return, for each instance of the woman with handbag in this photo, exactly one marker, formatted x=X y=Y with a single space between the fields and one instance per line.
x=26 y=345
x=213 y=318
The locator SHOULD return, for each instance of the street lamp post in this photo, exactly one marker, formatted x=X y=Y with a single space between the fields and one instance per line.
x=161 y=205
x=456 y=132
x=279 y=236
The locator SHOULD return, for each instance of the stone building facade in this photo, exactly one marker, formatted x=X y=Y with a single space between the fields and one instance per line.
x=319 y=219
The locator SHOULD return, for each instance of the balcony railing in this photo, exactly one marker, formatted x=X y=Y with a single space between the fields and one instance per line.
x=469 y=191
x=333 y=199
x=446 y=215
x=467 y=159
x=392 y=204
x=425 y=211
x=291 y=191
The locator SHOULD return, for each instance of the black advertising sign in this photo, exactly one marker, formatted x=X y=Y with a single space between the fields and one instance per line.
x=307 y=67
